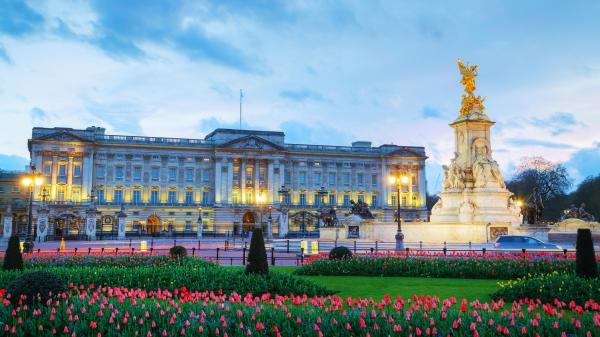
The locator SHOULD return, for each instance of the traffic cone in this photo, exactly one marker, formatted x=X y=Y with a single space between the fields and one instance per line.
x=63 y=246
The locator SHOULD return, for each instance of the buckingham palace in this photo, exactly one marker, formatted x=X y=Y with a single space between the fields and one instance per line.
x=223 y=184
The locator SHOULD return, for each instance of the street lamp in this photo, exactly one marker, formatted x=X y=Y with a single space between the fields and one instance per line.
x=200 y=224
x=398 y=182
x=30 y=180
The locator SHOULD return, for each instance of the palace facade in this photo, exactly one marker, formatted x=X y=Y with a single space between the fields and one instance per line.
x=231 y=179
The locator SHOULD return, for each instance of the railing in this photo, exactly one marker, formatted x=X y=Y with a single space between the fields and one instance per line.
x=153 y=140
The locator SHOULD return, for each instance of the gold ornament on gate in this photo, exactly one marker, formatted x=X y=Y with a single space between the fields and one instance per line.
x=470 y=103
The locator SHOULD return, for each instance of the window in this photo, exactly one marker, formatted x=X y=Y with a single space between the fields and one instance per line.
x=361 y=197
x=360 y=179
x=373 y=180
x=172 y=197
x=332 y=200
x=346 y=200
x=205 y=197
x=189 y=197
x=189 y=174
x=155 y=172
x=15 y=189
x=404 y=200
x=172 y=173
x=287 y=177
x=317 y=200
x=317 y=178
x=188 y=226
x=136 y=197
x=206 y=175
x=62 y=170
x=48 y=170
x=119 y=172
x=394 y=200
x=373 y=201
x=287 y=199
x=154 y=197
x=346 y=179
x=137 y=172
x=100 y=172
x=118 y=196
x=77 y=171
x=60 y=193
x=100 y=196
x=302 y=177
x=302 y=199
x=331 y=178
x=75 y=194
x=1 y=189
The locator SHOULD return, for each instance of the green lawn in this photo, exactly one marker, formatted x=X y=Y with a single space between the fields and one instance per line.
x=376 y=286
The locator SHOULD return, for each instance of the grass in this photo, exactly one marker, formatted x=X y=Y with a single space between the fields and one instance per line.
x=377 y=286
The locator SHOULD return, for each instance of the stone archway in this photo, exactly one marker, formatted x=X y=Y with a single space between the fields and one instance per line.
x=248 y=221
x=153 y=224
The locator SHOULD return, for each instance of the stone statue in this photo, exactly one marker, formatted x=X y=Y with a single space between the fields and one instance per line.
x=470 y=102
x=466 y=211
x=574 y=212
x=361 y=209
x=534 y=207
x=328 y=216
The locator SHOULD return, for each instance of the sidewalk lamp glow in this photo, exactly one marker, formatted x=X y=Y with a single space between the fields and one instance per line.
x=261 y=198
x=519 y=203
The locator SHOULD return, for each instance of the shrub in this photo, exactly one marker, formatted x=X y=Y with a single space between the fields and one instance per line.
x=13 y=258
x=257 y=257
x=125 y=260
x=177 y=252
x=585 y=265
x=176 y=276
x=37 y=285
x=548 y=287
x=339 y=253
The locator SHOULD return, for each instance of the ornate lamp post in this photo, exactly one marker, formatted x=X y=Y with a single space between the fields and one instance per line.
x=398 y=182
x=30 y=180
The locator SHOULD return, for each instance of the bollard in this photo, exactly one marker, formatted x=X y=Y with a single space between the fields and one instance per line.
x=376 y=247
x=244 y=256
x=129 y=243
x=483 y=250
x=75 y=251
x=288 y=246
x=301 y=256
x=335 y=244
x=198 y=244
x=523 y=250
x=89 y=250
x=102 y=250
x=39 y=250
x=58 y=250
x=116 y=251
x=420 y=245
x=217 y=254
x=445 y=250
x=407 y=251
x=371 y=250
x=231 y=261
x=444 y=244
x=272 y=256
x=151 y=250
x=469 y=245
x=354 y=246
x=193 y=251
x=174 y=242
x=132 y=250
x=151 y=243
x=565 y=252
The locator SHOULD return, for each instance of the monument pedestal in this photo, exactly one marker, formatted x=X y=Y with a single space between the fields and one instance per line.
x=476 y=206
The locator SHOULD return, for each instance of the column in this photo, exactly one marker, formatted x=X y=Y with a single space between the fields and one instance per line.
x=410 y=185
x=39 y=167
x=272 y=194
x=256 y=180
x=422 y=188
x=121 y=216
x=86 y=179
x=243 y=182
x=385 y=185
x=42 y=224
x=90 y=223
x=8 y=224
x=230 y=180
x=69 y=179
x=54 y=176
x=218 y=174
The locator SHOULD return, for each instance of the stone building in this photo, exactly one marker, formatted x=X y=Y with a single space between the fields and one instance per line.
x=13 y=202
x=232 y=179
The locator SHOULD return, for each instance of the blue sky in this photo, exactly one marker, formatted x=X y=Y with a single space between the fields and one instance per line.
x=328 y=72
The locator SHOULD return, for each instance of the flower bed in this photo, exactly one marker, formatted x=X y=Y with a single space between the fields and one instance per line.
x=122 y=312
x=125 y=260
x=460 y=265
x=175 y=276
x=550 y=287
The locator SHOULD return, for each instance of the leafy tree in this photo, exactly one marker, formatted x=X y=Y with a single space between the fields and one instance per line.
x=588 y=192
x=430 y=200
x=257 y=257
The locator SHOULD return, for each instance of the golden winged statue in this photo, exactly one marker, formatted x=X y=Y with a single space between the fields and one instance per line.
x=470 y=103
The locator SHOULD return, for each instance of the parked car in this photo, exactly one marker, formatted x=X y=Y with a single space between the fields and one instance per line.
x=520 y=242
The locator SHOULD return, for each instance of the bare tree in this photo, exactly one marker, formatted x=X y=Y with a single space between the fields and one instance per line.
x=551 y=179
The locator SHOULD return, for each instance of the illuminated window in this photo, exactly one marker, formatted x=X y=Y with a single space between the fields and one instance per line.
x=100 y=196
x=137 y=197
x=48 y=170
x=346 y=200
x=374 y=180
x=172 y=197
x=75 y=194
x=60 y=193
x=77 y=171
x=62 y=170
x=118 y=196
x=332 y=200
x=154 y=197
x=189 y=197
x=302 y=199
x=373 y=201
